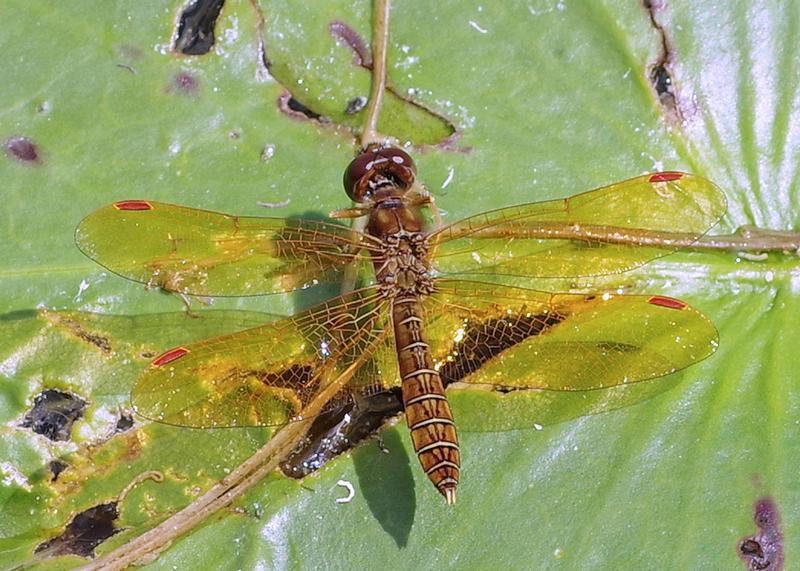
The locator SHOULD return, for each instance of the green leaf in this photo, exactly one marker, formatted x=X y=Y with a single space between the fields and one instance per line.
x=549 y=98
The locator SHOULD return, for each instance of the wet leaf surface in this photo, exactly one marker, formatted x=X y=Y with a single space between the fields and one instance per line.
x=551 y=98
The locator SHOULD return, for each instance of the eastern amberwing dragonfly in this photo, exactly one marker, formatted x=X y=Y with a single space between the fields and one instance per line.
x=413 y=328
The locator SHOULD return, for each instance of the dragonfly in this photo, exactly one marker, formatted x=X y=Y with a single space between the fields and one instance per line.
x=431 y=318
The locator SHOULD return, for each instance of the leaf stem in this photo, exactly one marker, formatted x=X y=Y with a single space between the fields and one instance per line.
x=745 y=239
x=380 y=42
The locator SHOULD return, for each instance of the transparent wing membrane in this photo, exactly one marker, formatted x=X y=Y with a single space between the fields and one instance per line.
x=608 y=230
x=198 y=252
x=262 y=376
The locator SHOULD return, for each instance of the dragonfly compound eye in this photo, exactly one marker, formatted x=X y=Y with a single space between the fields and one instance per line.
x=378 y=165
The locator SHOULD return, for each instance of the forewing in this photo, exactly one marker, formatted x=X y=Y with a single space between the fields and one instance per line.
x=603 y=231
x=198 y=252
x=266 y=375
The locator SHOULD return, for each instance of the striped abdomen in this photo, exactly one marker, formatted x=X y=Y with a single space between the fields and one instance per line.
x=427 y=410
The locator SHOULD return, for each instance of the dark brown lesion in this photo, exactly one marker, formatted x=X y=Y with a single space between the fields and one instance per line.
x=53 y=414
x=487 y=339
x=75 y=328
x=84 y=533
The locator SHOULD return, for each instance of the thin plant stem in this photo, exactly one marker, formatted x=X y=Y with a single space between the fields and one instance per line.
x=380 y=43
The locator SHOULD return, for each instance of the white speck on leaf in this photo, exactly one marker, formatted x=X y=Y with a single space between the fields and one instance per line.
x=475 y=25
x=82 y=287
x=350 y=492
x=450 y=172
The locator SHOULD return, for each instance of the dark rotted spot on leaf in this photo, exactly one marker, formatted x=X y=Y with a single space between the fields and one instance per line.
x=124 y=423
x=362 y=55
x=764 y=550
x=338 y=430
x=196 y=27
x=54 y=413
x=661 y=79
x=355 y=105
x=84 y=533
x=22 y=149
x=185 y=82
x=56 y=467
x=660 y=71
x=292 y=107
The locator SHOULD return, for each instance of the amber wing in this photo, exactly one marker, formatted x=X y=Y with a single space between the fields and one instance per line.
x=517 y=340
x=603 y=231
x=266 y=375
x=198 y=252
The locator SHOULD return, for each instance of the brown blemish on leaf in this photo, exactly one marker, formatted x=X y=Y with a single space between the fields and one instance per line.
x=764 y=550
x=53 y=414
x=72 y=327
x=362 y=55
x=660 y=73
x=23 y=150
x=195 y=35
x=84 y=533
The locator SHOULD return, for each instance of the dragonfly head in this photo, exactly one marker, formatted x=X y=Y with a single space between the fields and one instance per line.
x=378 y=169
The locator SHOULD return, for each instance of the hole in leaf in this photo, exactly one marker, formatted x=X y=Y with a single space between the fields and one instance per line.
x=661 y=80
x=292 y=107
x=53 y=414
x=56 y=467
x=124 y=423
x=196 y=27
x=84 y=533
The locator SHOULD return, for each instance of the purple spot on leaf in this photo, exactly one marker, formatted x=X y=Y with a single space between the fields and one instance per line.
x=22 y=149
x=764 y=550
x=185 y=82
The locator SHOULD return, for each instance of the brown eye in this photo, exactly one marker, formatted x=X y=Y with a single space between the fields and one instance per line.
x=375 y=163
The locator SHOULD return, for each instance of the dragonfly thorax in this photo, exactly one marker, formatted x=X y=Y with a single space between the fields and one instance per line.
x=403 y=268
